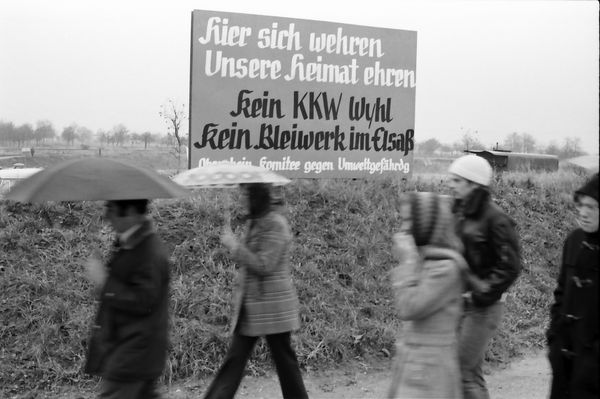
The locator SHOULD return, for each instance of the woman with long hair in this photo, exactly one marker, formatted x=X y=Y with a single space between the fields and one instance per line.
x=266 y=304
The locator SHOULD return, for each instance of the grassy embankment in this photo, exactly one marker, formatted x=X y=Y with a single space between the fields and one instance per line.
x=340 y=261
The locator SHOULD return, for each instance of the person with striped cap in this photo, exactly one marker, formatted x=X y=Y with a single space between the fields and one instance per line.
x=492 y=251
x=428 y=284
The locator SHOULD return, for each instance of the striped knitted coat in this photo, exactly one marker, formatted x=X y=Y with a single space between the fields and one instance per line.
x=265 y=299
x=428 y=300
x=428 y=284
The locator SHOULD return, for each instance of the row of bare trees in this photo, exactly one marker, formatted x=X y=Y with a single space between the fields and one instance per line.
x=12 y=135
x=44 y=133
x=515 y=141
x=175 y=116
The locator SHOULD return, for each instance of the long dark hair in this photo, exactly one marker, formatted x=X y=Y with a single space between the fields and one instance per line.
x=139 y=205
x=259 y=199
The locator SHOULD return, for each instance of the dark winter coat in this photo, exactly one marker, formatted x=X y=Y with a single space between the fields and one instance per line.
x=491 y=245
x=266 y=298
x=129 y=338
x=573 y=333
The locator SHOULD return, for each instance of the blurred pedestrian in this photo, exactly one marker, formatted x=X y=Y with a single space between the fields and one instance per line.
x=128 y=344
x=428 y=284
x=573 y=332
x=491 y=249
x=266 y=303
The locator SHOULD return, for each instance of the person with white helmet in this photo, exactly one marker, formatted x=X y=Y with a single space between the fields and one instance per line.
x=491 y=249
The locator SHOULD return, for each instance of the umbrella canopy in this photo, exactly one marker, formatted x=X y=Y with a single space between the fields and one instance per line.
x=227 y=175
x=91 y=179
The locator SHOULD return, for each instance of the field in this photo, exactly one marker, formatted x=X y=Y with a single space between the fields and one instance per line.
x=156 y=157
x=341 y=259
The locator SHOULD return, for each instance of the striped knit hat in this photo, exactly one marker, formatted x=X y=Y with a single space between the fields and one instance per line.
x=432 y=222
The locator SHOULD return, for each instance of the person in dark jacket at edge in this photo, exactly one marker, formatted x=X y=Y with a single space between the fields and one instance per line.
x=128 y=343
x=492 y=252
x=573 y=332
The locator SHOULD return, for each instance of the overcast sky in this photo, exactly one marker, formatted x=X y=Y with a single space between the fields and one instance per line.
x=492 y=67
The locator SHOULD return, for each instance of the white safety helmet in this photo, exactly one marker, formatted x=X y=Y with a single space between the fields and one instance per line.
x=472 y=168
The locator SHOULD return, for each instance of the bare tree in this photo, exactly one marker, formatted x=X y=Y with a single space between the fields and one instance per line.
x=520 y=142
x=6 y=132
x=529 y=143
x=470 y=140
x=147 y=138
x=120 y=134
x=571 y=148
x=174 y=117
x=102 y=136
x=24 y=134
x=43 y=131
x=552 y=148
x=512 y=142
x=84 y=134
x=69 y=133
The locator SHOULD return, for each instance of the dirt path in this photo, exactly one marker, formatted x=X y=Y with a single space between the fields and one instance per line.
x=525 y=378
x=528 y=377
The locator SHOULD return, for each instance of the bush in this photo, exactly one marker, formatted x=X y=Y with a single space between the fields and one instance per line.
x=341 y=257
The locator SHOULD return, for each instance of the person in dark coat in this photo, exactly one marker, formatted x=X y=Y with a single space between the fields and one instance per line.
x=266 y=303
x=491 y=249
x=128 y=343
x=573 y=331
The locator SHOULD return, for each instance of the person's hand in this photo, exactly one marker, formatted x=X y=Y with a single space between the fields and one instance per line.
x=478 y=285
x=404 y=248
x=228 y=239
x=95 y=270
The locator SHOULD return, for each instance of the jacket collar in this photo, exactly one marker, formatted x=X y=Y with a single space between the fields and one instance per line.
x=473 y=204
x=132 y=240
x=122 y=237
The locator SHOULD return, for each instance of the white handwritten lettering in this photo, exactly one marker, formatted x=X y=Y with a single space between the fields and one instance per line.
x=339 y=43
x=317 y=166
x=390 y=77
x=320 y=72
x=224 y=34
x=279 y=39
x=383 y=165
x=241 y=67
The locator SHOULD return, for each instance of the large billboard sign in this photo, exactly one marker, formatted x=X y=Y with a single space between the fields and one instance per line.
x=300 y=97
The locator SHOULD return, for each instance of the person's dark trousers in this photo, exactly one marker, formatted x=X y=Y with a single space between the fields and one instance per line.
x=229 y=376
x=561 y=373
x=111 y=389
x=574 y=375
